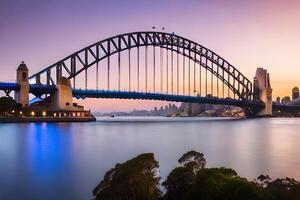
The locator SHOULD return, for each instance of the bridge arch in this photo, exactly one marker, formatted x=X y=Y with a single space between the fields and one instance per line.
x=83 y=59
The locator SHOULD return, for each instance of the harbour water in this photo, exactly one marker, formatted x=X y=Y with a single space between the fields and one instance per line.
x=67 y=160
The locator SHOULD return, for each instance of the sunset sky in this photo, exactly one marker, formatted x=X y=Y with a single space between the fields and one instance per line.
x=249 y=34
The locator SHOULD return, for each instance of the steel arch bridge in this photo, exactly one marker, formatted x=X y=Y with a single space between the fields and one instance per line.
x=151 y=65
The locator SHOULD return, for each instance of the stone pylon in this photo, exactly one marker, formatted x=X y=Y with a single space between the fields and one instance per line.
x=22 y=95
x=263 y=91
x=63 y=96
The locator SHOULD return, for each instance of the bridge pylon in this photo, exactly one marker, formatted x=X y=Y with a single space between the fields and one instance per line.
x=22 y=95
x=63 y=96
x=263 y=91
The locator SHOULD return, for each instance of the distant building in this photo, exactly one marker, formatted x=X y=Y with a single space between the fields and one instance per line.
x=285 y=100
x=278 y=100
x=295 y=93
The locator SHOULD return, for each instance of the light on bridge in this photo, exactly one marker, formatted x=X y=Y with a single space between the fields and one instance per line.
x=44 y=113
x=32 y=113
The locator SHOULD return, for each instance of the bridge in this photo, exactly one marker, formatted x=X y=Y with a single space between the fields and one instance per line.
x=149 y=66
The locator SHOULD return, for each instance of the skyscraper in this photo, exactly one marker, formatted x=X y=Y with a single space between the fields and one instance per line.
x=295 y=93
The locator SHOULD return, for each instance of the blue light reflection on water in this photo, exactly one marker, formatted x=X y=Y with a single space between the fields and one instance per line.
x=40 y=154
x=66 y=160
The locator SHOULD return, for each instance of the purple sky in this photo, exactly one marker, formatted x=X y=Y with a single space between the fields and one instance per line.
x=248 y=34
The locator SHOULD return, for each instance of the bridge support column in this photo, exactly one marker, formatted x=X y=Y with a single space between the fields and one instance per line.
x=63 y=98
x=263 y=91
x=22 y=95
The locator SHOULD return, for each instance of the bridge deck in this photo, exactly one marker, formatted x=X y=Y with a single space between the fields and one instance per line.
x=81 y=94
x=33 y=88
x=9 y=86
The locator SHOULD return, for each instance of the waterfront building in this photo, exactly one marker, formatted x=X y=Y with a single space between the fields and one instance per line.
x=55 y=107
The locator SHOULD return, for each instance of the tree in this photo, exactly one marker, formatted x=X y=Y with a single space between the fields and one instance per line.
x=135 y=179
x=180 y=179
x=178 y=183
x=263 y=180
x=193 y=160
x=284 y=188
x=7 y=104
x=223 y=183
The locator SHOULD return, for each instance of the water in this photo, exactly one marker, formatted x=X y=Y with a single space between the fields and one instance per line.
x=66 y=160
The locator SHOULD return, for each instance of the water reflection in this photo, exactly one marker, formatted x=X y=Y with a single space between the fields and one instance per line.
x=65 y=161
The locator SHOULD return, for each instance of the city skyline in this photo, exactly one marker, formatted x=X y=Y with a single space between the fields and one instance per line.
x=248 y=35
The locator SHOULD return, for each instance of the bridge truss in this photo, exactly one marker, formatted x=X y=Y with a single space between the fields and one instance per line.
x=150 y=63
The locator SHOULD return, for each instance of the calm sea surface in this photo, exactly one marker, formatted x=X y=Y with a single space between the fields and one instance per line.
x=66 y=160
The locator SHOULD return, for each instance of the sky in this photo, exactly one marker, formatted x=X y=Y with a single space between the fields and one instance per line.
x=248 y=34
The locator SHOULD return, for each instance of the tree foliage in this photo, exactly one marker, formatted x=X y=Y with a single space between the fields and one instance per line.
x=178 y=183
x=193 y=160
x=281 y=188
x=222 y=183
x=7 y=104
x=135 y=179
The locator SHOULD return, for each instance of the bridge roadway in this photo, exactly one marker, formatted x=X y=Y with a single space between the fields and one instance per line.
x=39 y=89
x=82 y=94
x=278 y=109
x=33 y=88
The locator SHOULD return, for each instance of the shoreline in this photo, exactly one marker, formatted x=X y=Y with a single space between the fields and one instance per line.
x=45 y=119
